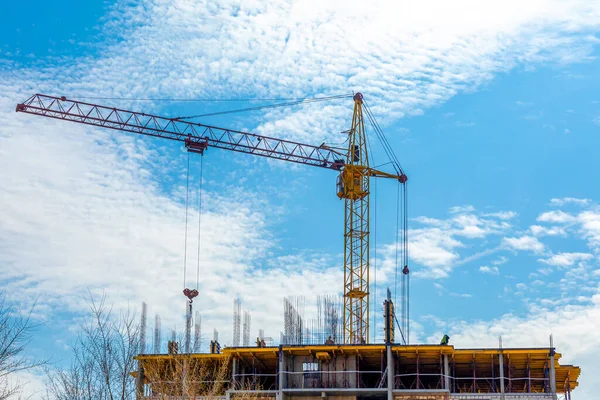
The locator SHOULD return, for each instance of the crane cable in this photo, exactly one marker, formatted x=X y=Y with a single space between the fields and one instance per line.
x=191 y=294
x=199 y=219
x=187 y=191
x=375 y=255
x=201 y=100
x=296 y=102
x=397 y=244
x=374 y=236
x=405 y=271
x=384 y=142
x=405 y=286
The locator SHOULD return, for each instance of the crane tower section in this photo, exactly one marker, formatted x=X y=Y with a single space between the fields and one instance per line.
x=353 y=187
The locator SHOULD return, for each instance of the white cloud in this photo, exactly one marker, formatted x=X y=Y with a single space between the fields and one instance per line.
x=539 y=230
x=566 y=259
x=523 y=103
x=569 y=200
x=434 y=248
x=489 y=270
x=521 y=286
x=463 y=295
x=590 y=227
x=501 y=260
x=462 y=209
x=556 y=217
x=502 y=215
x=527 y=243
x=437 y=245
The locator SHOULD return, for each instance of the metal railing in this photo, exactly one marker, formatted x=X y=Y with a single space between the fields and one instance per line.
x=417 y=380
x=332 y=379
x=497 y=396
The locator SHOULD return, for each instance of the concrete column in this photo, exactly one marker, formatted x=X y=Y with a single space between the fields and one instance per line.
x=234 y=373
x=446 y=373
x=390 y=372
x=139 y=382
x=281 y=376
x=501 y=362
x=552 y=371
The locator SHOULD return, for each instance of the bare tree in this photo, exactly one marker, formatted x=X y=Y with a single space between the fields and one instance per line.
x=16 y=331
x=187 y=377
x=102 y=358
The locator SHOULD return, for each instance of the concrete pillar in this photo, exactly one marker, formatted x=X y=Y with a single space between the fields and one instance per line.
x=281 y=376
x=234 y=373
x=390 y=372
x=446 y=373
x=139 y=382
x=552 y=371
x=501 y=365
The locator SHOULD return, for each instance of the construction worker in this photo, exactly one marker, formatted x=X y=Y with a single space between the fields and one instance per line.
x=329 y=341
x=262 y=343
x=445 y=340
x=258 y=342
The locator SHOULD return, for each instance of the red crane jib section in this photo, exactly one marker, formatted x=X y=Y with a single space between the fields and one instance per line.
x=197 y=137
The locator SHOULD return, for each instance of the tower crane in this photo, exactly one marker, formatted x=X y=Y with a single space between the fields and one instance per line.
x=352 y=164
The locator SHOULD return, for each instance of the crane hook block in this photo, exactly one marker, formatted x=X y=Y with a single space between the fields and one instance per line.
x=403 y=178
x=196 y=146
x=190 y=294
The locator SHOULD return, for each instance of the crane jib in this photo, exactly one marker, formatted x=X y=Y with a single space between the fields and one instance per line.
x=196 y=136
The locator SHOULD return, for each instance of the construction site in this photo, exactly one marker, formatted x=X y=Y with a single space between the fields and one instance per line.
x=336 y=353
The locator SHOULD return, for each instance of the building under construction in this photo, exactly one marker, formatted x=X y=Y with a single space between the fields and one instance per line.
x=349 y=372
x=309 y=364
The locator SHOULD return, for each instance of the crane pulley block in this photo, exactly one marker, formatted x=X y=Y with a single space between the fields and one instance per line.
x=195 y=146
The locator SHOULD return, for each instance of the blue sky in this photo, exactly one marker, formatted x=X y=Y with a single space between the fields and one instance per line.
x=493 y=110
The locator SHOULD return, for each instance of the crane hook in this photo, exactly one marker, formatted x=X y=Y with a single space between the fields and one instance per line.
x=190 y=294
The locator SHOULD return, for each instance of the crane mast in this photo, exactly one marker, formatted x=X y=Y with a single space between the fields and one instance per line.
x=352 y=184
x=353 y=187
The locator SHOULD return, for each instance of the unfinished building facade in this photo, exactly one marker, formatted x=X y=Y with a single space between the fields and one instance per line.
x=357 y=372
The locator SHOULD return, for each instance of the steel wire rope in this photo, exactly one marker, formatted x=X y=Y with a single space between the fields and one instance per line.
x=382 y=137
x=396 y=164
x=303 y=101
x=206 y=100
x=187 y=191
x=375 y=257
x=406 y=255
x=199 y=219
x=374 y=237
x=385 y=143
x=397 y=243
